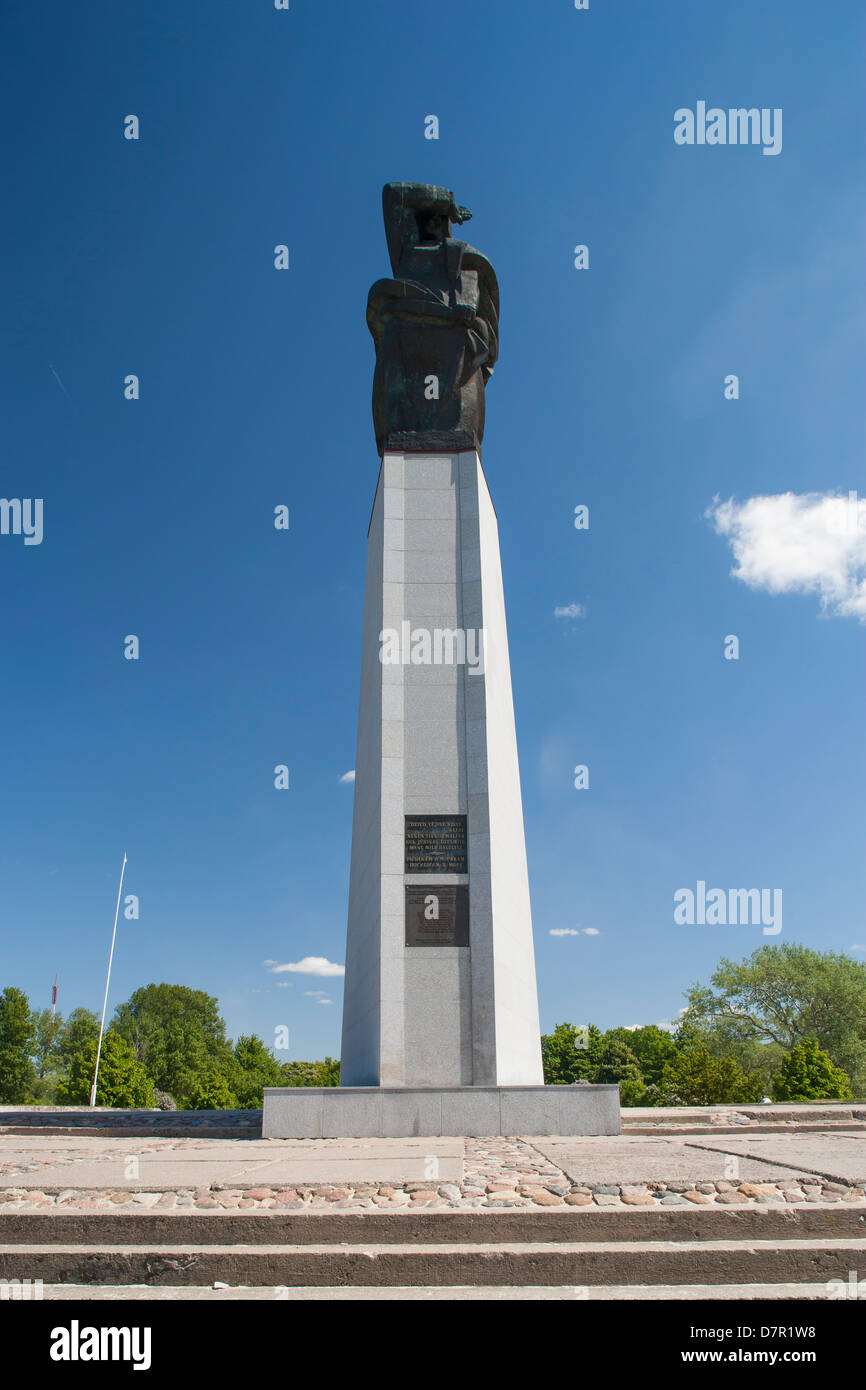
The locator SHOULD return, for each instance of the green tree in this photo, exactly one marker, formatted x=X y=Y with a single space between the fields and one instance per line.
x=122 y=1081
x=698 y=1078
x=212 y=1091
x=79 y=1029
x=654 y=1047
x=46 y=1049
x=17 y=1038
x=721 y=1039
x=809 y=1074
x=325 y=1073
x=569 y=1054
x=46 y=1056
x=253 y=1068
x=784 y=995
x=619 y=1065
x=177 y=1033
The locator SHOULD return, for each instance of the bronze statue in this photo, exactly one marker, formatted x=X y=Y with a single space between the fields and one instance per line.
x=435 y=326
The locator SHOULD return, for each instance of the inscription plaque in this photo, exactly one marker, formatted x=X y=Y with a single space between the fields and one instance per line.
x=437 y=915
x=435 y=845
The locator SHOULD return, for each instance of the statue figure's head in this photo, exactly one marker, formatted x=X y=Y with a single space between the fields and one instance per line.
x=418 y=214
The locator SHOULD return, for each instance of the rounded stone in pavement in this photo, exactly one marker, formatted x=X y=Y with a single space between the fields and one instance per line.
x=578 y=1199
x=732 y=1199
x=638 y=1199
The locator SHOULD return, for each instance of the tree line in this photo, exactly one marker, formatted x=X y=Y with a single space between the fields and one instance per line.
x=786 y=1022
x=166 y=1046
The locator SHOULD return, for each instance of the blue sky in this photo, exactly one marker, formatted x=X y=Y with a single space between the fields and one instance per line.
x=155 y=257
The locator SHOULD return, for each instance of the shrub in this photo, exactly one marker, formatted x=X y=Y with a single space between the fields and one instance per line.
x=211 y=1092
x=807 y=1073
x=698 y=1078
x=122 y=1080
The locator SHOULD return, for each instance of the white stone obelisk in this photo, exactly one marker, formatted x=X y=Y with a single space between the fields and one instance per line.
x=440 y=986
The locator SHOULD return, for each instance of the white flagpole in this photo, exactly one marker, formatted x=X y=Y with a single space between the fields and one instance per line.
x=107 y=978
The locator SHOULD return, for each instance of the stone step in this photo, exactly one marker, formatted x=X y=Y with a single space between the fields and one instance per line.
x=777 y=1116
x=344 y=1228
x=578 y=1264
x=486 y=1293
x=687 y=1131
x=122 y=1131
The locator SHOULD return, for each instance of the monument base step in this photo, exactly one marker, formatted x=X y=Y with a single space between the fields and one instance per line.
x=425 y=1265
x=391 y=1112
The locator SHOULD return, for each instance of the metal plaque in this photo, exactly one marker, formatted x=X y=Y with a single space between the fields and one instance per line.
x=437 y=915
x=436 y=845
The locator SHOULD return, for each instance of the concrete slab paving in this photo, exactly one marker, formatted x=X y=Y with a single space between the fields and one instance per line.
x=839 y=1157
x=635 y=1159
x=280 y=1163
x=162 y=1165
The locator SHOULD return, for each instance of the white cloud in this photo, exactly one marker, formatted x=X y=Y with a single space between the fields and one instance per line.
x=570 y=610
x=310 y=965
x=563 y=931
x=348 y=776
x=320 y=996
x=792 y=543
x=591 y=931
x=858 y=947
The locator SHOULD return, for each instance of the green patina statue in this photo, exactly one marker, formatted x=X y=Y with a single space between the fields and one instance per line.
x=435 y=326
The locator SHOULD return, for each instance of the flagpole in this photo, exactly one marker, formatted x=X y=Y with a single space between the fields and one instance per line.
x=107 y=979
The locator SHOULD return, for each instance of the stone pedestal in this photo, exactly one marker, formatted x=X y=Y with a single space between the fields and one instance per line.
x=390 y=1112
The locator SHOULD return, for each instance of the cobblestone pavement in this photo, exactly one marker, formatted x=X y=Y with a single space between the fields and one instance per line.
x=497 y=1173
